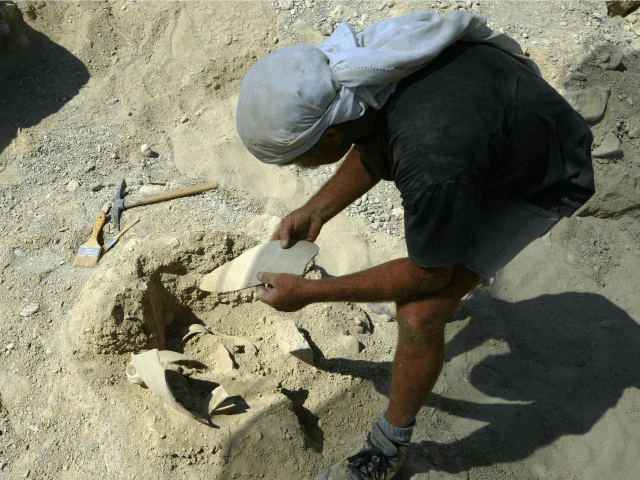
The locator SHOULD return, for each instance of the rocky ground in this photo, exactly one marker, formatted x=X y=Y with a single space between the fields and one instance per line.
x=541 y=376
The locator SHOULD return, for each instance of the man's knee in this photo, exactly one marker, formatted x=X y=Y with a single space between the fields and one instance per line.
x=429 y=314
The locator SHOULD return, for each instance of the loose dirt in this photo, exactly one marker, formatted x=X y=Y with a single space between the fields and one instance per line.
x=541 y=375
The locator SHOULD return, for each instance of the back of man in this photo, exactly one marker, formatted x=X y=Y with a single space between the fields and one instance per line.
x=476 y=129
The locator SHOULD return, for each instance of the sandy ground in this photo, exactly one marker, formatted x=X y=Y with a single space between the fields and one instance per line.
x=541 y=376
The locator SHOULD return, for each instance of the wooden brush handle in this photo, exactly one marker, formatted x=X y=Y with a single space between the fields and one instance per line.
x=124 y=230
x=180 y=192
x=97 y=226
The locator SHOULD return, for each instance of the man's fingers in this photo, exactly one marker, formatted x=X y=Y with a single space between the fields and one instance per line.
x=264 y=277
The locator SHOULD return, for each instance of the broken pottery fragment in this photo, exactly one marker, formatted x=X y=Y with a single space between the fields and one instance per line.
x=218 y=401
x=223 y=359
x=193 y=330
x=269 y=257
x=197 y=329
x=150 y=372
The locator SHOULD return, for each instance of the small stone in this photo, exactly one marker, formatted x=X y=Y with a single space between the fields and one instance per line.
x=630 y=101
x=634 y=132
x=145 y=149
x=591 y=103
x=358 y=321
x=227 y=40
x=320 y=423
x=576 y=75
x=184 y=119
x=606 y=324
x=11 y=346
x=350 y=345
x=275 y=40
x=610 y=147
x=610 y=57
x=564 y=24
x=112 y=102
x=291 y=341
x=96 y=187
x=174 y=243
x=285 y=4
x=18 y=253
x=73 y=185
x=288 y=436
x=524 y=35
x=29 y=310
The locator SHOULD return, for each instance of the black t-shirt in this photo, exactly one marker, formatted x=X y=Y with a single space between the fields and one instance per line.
x=476 y=127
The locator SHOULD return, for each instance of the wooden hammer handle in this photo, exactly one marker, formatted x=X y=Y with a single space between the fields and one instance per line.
x=97 y=226
x=180 y=192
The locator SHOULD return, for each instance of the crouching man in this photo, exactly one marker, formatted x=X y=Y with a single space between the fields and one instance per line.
x=486 y=155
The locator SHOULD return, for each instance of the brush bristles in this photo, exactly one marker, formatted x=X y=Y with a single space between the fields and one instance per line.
x=87 y=257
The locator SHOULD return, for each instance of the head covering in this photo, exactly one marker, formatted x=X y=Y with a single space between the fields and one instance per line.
x=289 y=98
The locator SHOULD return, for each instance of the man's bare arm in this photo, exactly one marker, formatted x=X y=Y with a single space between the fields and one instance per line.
x=350 y=182
x=397 y=280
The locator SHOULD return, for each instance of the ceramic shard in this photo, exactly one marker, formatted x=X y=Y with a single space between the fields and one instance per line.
x=269 y=257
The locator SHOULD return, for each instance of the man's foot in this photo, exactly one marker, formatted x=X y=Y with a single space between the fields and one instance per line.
x=378 y=459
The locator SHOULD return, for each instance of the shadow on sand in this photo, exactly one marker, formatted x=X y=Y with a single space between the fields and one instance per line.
x=34 y=79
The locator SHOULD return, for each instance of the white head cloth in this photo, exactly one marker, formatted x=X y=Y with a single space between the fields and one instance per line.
x=288 y=98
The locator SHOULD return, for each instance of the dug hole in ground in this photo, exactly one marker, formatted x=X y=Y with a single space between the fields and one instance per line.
x=541 y=377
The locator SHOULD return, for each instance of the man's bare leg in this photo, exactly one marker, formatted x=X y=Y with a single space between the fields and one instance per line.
x=420 y=352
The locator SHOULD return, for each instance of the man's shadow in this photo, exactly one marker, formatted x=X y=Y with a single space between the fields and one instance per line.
x=570 y=358
x=36 y=78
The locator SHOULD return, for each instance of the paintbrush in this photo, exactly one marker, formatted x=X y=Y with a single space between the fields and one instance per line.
x=89 y=252
x=110 y=243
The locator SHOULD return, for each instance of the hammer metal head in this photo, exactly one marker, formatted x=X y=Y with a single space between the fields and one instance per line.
x=118 y=205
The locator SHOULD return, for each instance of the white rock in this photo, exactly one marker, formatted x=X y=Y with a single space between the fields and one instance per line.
x=184 y=119
x=11 y=346
x=151 y=189
x=291 y=341
x=145 y=149
x=285 y=4
x=29 y=310
x=73 y=185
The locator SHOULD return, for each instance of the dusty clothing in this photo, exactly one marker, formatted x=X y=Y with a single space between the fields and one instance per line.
x=475 y=129
x=289 y=98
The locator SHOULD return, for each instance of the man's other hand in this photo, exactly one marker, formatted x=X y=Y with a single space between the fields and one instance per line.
x=283 y=291
x=299 y=225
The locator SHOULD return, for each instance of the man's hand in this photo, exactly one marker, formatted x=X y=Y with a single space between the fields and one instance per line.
x=300 y=225
x=284 y=292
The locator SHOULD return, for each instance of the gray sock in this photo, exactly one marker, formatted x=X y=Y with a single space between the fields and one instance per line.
x=395 y=434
